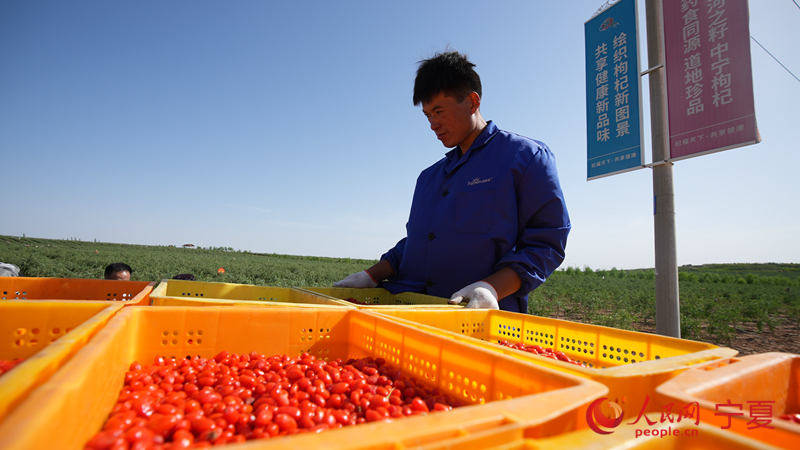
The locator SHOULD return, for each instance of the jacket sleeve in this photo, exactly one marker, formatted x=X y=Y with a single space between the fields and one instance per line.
x=543 y=223
x=395 y=255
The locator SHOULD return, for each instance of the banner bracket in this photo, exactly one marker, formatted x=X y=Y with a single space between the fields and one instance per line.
x=652 y=69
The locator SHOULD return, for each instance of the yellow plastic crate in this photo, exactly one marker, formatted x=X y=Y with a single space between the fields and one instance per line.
x=502 y=390
x=45 y=334
x=379 y=298
x=631 y=364
x=766 y=377
x=200 y=293
x=680 y=435
x=34 y=288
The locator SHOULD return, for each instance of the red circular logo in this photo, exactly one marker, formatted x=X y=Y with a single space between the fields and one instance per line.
x=596 y=418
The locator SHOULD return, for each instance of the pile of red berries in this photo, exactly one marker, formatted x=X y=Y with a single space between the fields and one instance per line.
x=356 y=301
x=8 y=364
x=538 y=350
x=791 y=417
x=178 y=403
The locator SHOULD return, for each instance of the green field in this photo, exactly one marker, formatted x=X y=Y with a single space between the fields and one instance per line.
x=751 y=307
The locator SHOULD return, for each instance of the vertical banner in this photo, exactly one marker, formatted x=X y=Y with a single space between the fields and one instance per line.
x=709 y=80
x=613 y=92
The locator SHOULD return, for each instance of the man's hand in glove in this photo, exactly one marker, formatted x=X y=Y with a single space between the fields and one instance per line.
x=480 y=295
x=357 y=280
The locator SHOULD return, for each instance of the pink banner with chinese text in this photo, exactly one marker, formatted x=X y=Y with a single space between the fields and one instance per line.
x=709 y=80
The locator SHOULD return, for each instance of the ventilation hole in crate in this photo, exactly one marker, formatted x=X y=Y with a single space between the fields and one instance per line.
x=604 y=355
x=165 y=333
x=33 y=342
x=658 y=357
x=35 y=330
x=618 y=358
x=199 y=341
x=21 y=331
x=633 y=360
x=19 y=342
x=164 y=342
x=174 y=342
x=626 y=351
x=641 y=355
x=175 y=332
x=626 y=360
x=199 y=332
x=190 y=332
x=190 y=341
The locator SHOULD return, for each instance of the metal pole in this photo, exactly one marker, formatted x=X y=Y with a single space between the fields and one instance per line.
x=668 y=319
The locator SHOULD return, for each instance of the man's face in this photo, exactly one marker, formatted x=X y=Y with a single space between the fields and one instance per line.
x=450 y=119
x=122 y=275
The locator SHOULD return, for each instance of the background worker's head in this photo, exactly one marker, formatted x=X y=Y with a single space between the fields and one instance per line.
x=449 y=90
x=118 y=271
x=184 y=276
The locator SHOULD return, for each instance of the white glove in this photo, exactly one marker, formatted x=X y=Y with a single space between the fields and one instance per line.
x=357 y=280
x=480 y=295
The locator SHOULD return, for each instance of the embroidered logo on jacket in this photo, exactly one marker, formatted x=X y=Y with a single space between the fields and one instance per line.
x=478 y=180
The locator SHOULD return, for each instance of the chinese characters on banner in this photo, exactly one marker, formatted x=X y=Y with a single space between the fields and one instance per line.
x=613 y=92
x=709 y=81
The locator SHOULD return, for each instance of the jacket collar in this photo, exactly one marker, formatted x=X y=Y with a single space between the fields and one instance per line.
x=454 y=157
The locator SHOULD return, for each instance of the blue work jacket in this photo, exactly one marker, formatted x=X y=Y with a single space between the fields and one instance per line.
x=498 y=205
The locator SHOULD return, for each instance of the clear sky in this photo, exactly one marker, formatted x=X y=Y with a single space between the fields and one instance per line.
x=288 y=127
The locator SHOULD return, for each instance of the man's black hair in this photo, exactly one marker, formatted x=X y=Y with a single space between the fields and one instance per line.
x=117 y=267
x=449 y=72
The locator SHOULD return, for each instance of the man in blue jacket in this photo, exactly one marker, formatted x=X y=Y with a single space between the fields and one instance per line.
x=488 y=222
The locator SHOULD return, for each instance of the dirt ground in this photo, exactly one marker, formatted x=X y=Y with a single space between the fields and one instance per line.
x=785 y=337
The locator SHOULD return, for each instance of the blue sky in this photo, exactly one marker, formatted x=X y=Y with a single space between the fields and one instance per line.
x=288 y=127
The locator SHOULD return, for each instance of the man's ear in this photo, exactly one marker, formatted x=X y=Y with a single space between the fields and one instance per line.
x=475 y=99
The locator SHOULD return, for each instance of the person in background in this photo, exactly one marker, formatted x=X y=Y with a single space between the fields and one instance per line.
x=184 y=276
x=488 y=222
x=8 y=270
x=118 y=271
